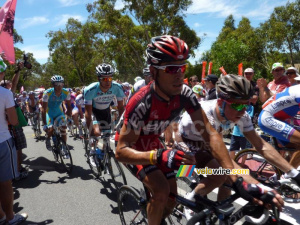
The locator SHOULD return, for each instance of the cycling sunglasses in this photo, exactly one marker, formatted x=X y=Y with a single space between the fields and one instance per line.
x=172 y=69
x=59 y=84
x=237 y=106
x=106 y=79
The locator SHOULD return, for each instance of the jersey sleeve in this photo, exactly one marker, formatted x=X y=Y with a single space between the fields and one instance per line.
x=68 y=96
x=189 y=100
x=245 y=123
x=119 y=92
x=88 y=97
x=46 y=96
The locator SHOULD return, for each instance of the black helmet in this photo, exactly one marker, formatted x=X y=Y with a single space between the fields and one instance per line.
x=234 y=87
x=104 y=70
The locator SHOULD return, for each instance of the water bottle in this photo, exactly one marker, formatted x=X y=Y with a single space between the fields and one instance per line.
x=54 y=139
x=99 y=153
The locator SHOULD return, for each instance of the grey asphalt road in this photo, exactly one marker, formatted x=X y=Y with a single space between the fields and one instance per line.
x=51 y=196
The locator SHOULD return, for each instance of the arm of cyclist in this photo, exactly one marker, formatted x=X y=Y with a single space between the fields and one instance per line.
x=45 y=106
x=88 y=117
x=126 y=154
x=267 y=151
x=278 y=201
x=69 y=108
x=120 y=107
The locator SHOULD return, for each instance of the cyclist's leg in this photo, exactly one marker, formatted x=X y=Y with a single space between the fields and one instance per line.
x=61 y=121
x=295 y=160
x=75 y=116
x=171 y=202
x=159 y=187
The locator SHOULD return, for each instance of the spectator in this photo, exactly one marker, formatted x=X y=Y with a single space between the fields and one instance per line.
x=292 y=73
x=17 y=132
x=279 y=83
x=210 y=84
x=193 y=81
x=8 y=158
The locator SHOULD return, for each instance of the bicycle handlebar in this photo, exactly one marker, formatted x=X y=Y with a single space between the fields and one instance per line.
x=261 y=220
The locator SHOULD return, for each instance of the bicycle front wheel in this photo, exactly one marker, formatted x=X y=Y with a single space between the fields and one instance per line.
x=132 y=207
x=66 y=157
x=259 y=168
x=116 y=171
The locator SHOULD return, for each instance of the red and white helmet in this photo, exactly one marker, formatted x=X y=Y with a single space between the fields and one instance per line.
x=166 y=48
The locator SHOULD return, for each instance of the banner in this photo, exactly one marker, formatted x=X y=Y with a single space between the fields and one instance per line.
x=203 y=71
x=240 y=69
x=22 y=89
x=7 y=17
x=222 y=70
x=209 y=68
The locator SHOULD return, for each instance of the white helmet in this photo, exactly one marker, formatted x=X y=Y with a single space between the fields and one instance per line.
x=57 y=78
x=104 y=70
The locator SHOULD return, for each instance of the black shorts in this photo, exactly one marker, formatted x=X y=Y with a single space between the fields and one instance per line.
x=103 y=117
x=140 y=171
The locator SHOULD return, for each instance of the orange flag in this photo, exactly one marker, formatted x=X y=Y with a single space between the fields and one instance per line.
x=186 y=81
x=203 y=71
x=223 y=70
x=209 y=68
x=7 y=17
x=240 y=69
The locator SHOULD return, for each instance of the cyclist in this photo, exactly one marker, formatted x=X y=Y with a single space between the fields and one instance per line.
x=22 y=101
x=32 y=104
x=147 y=115
x=53 y=112
x=98 y=97
x=223 y=113
x=78 y=110
x=141 y=83
x=273 y=120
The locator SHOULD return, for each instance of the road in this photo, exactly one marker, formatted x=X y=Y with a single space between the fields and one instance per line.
x=50 y=196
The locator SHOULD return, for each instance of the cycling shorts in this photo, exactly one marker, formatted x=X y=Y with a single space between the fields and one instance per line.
x=57 y=119
x=76 y=110
x=102 y=117
x=35 y=109
x=282 y=131
x=141 y=171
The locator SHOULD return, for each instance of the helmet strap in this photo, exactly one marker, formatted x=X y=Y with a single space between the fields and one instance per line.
x=222 y=110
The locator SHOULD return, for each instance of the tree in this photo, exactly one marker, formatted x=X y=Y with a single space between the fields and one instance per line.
x=282 y=30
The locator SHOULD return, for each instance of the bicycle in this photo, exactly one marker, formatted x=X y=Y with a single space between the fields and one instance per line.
x=61 y=151
x=35 y=123
x=132 y=210
x=262 y=170
x=106 y=164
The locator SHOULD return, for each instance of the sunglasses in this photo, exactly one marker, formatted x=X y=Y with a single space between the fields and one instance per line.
x=172 y=69
x=278 y=70
x=290 y=73
x=248 y=74
x=237 y=106
x=106 y=79
x=59 y=84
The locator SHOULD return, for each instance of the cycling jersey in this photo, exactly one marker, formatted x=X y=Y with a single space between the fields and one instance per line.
x=102 y=100
x=54 y=109
x=188 y=130
x=276 y=110
x=148 y=113
x=137 y=86
x=35 y=103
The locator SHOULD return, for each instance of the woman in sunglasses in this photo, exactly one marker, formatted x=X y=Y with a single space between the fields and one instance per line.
x=149 y=112
x=98 y=97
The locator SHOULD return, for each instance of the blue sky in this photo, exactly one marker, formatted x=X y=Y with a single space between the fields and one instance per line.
x=35 y=18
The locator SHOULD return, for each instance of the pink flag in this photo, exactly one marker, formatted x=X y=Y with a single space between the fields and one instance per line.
x=7 y=17
x=22 y=89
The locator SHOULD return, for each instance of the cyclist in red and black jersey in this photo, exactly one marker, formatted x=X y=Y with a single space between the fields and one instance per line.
x=149 y=112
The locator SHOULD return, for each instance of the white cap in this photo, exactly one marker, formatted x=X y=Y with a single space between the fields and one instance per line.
x=293 y=68
x=249 y=70
x=297 y=78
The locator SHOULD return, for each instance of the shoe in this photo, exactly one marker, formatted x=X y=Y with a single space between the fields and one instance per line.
x=92 y=161
x=188 y=213
x=290 y=182
x=48 y=144
x=23 y=175
x=64 y=153
x=18 y=218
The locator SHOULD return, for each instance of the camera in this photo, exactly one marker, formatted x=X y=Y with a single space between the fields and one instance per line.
x=26 y=63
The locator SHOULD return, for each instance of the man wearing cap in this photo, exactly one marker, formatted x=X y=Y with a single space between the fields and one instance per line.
x=292 y=73
x=279 y=83
x=210 y=84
